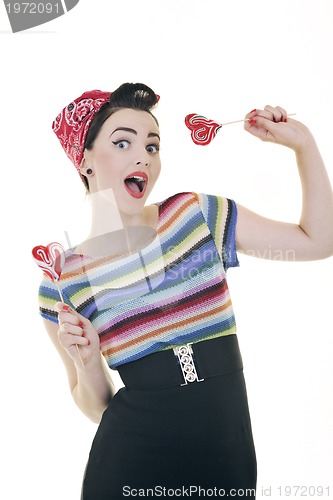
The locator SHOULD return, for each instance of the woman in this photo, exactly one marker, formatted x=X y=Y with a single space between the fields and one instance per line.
x=147 y=293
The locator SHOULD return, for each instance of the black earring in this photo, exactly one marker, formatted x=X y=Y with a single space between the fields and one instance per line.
x=89 y=171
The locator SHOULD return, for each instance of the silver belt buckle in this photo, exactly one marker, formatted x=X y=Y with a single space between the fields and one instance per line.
x=185 y=355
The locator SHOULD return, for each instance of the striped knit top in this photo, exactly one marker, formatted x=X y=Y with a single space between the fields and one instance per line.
x=171 y=292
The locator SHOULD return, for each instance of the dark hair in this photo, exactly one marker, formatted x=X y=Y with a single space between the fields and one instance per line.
x=128 y=95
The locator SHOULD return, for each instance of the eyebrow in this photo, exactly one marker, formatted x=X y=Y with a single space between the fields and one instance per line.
x=126 y=129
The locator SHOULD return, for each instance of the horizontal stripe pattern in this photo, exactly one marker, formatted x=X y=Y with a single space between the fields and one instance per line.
x=172 y=292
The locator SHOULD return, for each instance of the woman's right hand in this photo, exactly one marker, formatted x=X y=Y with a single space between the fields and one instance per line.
x=76 y=330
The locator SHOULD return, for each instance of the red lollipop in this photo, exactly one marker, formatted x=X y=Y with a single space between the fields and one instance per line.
x=202 y=129
x=51 y=259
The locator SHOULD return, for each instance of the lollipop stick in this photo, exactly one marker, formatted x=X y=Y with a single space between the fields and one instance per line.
x=247 y=119
x=60 y=292
x=77 y=347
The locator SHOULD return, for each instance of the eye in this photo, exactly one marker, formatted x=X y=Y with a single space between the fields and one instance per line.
x=153 y=148
x=122 y=144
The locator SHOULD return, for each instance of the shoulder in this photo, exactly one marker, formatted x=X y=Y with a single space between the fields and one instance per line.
x=210 y=204
x=184 y=195
x=190 y=197
x=177 y=198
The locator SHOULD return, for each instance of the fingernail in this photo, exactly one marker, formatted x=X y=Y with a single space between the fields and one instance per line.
x=285 y=120
x=253 y=111
x=83 y=334
x=66 y=307
x=80 y=324
x=88 y=342
x=252 y=121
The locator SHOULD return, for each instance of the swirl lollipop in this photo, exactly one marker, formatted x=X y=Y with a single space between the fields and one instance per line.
x=51 y=260
x=204 y=130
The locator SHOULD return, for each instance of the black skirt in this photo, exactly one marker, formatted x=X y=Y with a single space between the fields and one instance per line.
x=193 y=440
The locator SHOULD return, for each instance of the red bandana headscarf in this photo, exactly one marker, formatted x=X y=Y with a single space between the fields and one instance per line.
x=72 y=124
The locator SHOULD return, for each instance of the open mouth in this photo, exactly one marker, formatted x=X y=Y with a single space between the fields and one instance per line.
x=136 y=184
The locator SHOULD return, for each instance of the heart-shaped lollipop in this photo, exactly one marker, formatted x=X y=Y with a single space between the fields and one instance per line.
x=50 y=259
x=202 y=129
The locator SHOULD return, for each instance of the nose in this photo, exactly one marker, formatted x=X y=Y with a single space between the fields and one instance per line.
x=142 y=158
x=142 y=163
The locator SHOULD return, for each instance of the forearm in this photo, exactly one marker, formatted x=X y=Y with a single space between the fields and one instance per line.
x=93 y=390
x=317 y=197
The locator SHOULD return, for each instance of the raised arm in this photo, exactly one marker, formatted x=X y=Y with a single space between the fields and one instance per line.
x=312 y=237
x=90 y=383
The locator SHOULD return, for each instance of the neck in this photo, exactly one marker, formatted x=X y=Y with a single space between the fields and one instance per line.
x=111 y=228
x=105 y=215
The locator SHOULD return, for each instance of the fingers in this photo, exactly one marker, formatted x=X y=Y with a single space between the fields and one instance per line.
x=251 y=114
x=61 y=307
x=273 y=114
x=268 y=124
x=68 y=315
x=277 y=114
x=71 y=326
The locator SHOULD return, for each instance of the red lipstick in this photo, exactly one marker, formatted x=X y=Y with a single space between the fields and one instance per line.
x=136 y=184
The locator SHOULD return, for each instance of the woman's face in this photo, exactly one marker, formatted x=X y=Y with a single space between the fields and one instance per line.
x=125 y=157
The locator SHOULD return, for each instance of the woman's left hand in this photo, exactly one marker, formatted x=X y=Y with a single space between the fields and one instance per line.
x=272 y=125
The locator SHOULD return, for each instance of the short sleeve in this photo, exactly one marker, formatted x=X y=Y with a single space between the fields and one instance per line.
x=48 y=295
x=221 y=217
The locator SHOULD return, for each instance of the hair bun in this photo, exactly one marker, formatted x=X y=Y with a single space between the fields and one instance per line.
x=133 y=95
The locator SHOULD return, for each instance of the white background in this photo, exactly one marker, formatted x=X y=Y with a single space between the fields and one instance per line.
x=220 y=59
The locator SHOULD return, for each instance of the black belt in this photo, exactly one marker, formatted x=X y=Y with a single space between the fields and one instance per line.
x=183 y=365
